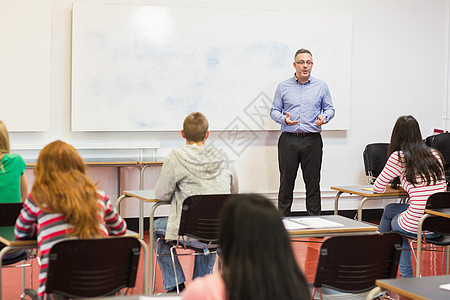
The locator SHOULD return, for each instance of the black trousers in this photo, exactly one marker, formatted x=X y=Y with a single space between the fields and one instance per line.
x=304 y=150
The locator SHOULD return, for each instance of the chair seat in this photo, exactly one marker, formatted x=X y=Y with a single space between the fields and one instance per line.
x=443 y=240
x=18 y=256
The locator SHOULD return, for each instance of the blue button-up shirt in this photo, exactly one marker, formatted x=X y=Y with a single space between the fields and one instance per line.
x=304 y=102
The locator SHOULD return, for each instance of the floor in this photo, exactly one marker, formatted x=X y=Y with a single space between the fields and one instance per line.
x=305 y=252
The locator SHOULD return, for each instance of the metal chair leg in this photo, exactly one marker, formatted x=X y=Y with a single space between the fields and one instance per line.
x=172 y=249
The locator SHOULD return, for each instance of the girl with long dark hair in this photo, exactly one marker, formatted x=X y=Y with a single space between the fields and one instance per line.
x=419 y=170
x=257 y=261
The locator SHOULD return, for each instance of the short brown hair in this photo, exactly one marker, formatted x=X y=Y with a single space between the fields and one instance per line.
x=303 y=50
x=195 y=127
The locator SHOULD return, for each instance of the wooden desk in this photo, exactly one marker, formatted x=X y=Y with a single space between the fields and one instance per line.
x=141 y=163
x=8 y=238
x=144 y=196
x=351 y=227
x=367 y=194
x=440 y=212
x=424 y=288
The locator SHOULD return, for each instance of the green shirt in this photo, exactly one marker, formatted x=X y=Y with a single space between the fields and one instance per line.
x=12 y=167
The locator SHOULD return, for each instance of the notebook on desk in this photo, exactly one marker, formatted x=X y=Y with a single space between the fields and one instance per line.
x=298 y=223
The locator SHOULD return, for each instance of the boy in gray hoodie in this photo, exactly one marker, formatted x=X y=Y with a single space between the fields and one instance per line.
x=191 y=169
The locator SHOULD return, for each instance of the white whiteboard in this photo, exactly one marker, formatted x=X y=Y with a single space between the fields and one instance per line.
x=25 y=55
x=144 y=68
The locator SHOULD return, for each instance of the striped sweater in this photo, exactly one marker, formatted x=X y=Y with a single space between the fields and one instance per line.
x=418 y=194
x=52 y=228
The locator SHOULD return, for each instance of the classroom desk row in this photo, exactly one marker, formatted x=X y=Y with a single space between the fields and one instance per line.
x=423 y=288
x=366 y=192
x=141 y=163
x=349 y=226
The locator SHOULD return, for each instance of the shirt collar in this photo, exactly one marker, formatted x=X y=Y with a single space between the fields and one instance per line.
x=307 y=81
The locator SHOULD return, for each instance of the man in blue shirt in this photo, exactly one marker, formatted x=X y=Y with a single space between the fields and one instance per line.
x=302 y=104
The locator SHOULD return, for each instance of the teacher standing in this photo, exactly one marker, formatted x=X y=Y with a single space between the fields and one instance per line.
x=302 y=104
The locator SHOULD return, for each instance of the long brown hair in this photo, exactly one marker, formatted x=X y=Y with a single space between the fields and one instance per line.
x=417 y=156
x=4 y=138
x=61 y=186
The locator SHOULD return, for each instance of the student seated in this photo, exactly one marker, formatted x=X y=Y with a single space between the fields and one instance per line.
x=64 y=203
x=419 y=170
x=192 y=169
x=13 y=183
x=256 y=256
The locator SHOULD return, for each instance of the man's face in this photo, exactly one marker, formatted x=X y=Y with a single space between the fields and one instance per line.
x=303 y=65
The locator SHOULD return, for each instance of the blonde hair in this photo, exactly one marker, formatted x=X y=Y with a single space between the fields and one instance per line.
x=195 y=127
x=4 y=138
x=61 y=186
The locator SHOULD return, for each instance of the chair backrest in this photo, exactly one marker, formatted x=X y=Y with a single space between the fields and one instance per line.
x=80 y=268
x=352 y=263
x=9 y=213
x=200 y=216
x=375 y=157
x=438 y=224
x=441 y=142
x=438 y=200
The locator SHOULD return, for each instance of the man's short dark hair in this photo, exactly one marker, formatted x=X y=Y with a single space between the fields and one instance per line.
x=303 y=50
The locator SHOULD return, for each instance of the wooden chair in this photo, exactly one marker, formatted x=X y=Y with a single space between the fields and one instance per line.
x=349 y=265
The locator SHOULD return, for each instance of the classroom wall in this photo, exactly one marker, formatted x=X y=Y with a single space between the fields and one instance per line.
x=399 y=65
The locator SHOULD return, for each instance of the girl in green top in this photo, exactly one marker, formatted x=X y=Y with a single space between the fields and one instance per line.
x=13 y=184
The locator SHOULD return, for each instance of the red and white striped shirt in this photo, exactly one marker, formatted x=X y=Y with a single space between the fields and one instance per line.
x=52 y=228
x=418 y=193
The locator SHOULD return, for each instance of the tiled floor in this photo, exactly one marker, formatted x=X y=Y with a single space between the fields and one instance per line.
x=306 y=254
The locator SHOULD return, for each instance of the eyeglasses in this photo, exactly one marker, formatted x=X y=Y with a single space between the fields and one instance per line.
x=308 y=62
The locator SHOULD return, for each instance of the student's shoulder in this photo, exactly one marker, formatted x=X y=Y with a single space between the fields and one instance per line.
x=13 y=156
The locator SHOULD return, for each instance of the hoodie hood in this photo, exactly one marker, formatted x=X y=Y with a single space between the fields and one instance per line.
x=204 y=162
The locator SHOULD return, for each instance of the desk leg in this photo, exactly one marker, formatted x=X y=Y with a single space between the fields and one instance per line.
x=146 y=267
x=118 y=202
x=141 y=203
x=336 y=200
x=361 y=203
x=141 y=219
x=2 y=253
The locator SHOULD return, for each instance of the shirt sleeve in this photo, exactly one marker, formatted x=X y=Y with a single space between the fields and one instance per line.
x=392 y=169
x=327 y=105
x=166 y=184
x=276 y=112
x=114 y=222
x=25 y=227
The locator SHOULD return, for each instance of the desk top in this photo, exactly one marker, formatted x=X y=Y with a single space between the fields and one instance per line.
x=8 y=238
x=350 y=227
x=145 y=195
x=111 y=161
x=422 y=288
x=366 y=191
x=441 y=212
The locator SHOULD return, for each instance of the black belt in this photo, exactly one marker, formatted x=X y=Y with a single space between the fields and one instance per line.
x=301 y=133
